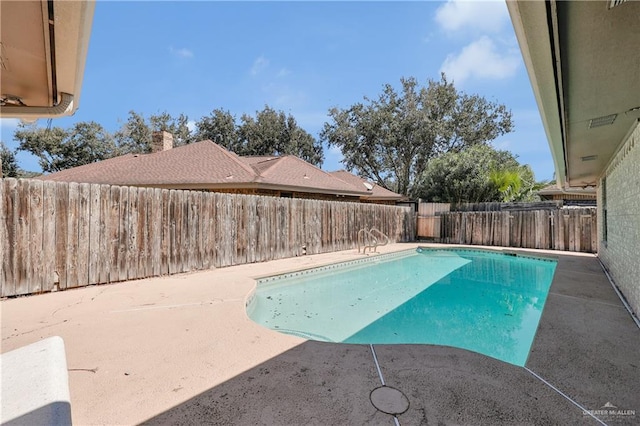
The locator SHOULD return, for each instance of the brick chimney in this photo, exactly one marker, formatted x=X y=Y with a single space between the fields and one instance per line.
x=161 y=141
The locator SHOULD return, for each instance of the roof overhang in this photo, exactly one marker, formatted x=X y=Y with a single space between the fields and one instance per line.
x=43 y=49
x=249 y=185
x=583 y=64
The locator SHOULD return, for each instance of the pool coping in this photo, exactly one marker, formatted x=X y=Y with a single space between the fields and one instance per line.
x=272 y=278
x=180 y=349
x=282 y=278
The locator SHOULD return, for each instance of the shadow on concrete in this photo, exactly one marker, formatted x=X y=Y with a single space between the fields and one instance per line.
x=54 y=413
x=586 y=347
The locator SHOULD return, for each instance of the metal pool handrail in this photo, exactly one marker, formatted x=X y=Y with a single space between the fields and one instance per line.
x=382 y=235
x=369 y=240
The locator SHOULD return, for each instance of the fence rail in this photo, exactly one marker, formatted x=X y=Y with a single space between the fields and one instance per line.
x=499 y=206
x=63 y=235
x=562 y=229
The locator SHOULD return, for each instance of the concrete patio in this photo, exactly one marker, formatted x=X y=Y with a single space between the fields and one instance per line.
x=181 y=350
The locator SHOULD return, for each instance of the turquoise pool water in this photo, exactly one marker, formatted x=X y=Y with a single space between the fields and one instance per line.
x=482 y=301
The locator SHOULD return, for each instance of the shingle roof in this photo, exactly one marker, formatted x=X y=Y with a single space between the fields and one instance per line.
x=206 y=164
x=376 y=193
x=553 y=189
x=198 y=163
x=291 y=171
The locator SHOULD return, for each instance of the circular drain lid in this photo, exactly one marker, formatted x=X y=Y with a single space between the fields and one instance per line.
x=389 y=400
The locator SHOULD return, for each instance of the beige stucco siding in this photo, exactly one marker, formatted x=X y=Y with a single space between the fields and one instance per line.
x=621 y=251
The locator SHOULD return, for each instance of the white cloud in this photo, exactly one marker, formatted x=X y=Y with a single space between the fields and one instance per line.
x=283 y=72
x=290 y=98
x=182 y=52
x=284 y=96
x=259 y=65
x=482 y=60
x=486 y=16
x=191 y=125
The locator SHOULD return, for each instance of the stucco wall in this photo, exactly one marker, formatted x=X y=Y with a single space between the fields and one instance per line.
x=620 y=253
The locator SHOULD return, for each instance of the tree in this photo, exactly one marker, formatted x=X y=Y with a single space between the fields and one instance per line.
x=135 y=136
x=271 y=132
x=219 y=127
x=469 y=176
x=391 y=139
x=517 y=183
x=59 y=149
x=8 y=164
x=274 y=133
x=177 y=126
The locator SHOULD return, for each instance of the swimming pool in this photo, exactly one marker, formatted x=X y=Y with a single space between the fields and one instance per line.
x=478 y=300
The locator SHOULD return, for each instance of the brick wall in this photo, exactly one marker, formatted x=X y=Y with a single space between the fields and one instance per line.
x=620 y=253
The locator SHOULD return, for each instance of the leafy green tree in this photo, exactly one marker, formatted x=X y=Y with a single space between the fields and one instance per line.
x=392 y=138
x=466 y=176
x=9 y=165
x=59 y=149
x=517 y=183
x=219 y=127
x=507 y=181
x=177 y=126
x=136 y=134
x=270 y=132
x=274 y=133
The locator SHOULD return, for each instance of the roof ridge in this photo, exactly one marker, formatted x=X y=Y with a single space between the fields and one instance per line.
x=237 y=159
x=324 y=172
x=88 y=166
x=351 y=175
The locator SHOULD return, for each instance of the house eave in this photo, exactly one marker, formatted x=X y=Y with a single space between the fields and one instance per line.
x=533 y=29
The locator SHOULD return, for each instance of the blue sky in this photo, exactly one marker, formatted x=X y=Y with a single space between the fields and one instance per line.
x=299 y=57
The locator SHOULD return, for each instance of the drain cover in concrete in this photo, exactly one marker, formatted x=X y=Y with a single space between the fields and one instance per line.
x=389 y=400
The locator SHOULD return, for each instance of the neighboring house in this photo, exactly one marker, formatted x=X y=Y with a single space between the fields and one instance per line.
x=375 y=193
x=583 y=63
x=569 y=196
x=207 y=166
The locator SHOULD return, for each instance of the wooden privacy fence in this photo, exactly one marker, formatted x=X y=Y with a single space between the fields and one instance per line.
x=58 y=235
x=499 y=206
x=428 y=225
x=562 y=229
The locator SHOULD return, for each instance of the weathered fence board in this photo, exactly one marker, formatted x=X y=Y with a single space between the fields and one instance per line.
x=429 y=224
x=123 y=240
x=8 y=233
x=498 y=206
x=104 y=238
x=36 y=219
x=83 y=217
x=62 y=232
x=95 y=222
x=74 y=235
x=114 y=235
x=564 y=229
x=23 y=256
x=49 y=235
x=165 y=239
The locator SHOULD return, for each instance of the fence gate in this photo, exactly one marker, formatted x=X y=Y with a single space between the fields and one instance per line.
x=428 y=222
